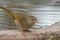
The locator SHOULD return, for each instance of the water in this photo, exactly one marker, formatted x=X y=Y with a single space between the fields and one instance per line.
x=46 y=15
x=47 y=12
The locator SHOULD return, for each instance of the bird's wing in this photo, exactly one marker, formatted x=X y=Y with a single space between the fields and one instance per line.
x=22 y=19
x=19 y=16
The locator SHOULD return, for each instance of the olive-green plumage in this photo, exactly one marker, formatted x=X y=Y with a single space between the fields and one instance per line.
x=23 y=21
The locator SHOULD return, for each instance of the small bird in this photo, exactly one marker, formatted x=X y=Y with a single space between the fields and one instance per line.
x=26 y=24
x=21 y=20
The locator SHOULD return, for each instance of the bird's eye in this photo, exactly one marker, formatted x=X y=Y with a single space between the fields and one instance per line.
x=32 y=19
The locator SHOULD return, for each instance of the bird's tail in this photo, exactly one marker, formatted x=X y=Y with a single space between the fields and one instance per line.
x=7 y=11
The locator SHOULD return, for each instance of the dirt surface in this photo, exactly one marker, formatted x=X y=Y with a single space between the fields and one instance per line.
x=50 y=33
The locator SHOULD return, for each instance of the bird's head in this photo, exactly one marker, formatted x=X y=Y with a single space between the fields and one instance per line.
x=32 y=19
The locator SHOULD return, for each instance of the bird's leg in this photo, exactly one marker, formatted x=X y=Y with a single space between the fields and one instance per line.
x=26 y=30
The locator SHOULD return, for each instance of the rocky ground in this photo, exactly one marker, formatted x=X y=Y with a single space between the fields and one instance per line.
x=50 y=33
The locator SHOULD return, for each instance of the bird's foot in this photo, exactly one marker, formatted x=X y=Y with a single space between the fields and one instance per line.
x=26 y=31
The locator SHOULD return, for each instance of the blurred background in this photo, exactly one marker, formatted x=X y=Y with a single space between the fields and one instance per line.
x=47 y=12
